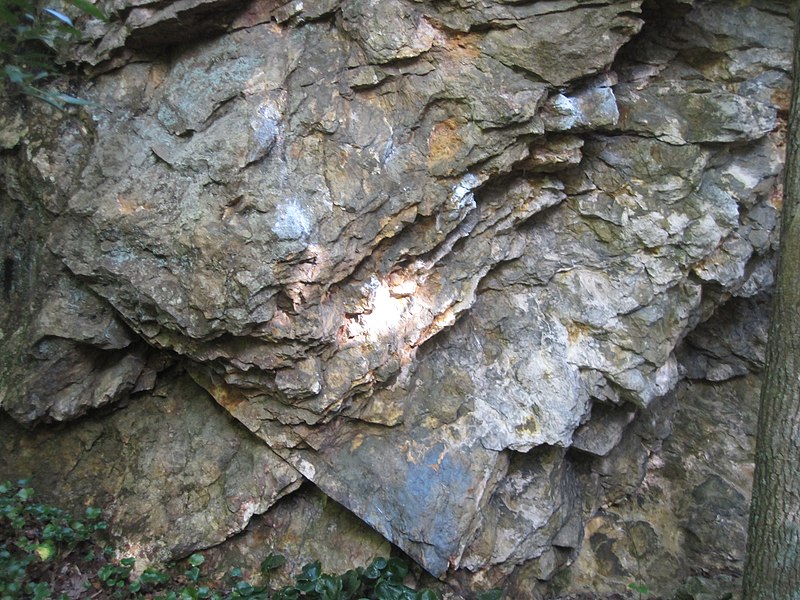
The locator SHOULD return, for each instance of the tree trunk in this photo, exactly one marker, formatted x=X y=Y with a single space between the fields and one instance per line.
x=772 y=569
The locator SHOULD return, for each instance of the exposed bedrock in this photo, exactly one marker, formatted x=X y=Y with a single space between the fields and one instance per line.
x=459 y=264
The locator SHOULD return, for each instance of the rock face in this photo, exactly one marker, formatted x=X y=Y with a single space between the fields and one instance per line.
x=174 y=471
x=448 y=261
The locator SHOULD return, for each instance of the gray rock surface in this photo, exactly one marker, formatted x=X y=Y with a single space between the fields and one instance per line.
x=689 y=516
x=64 y=349
x=171 y=470
x=447 y=260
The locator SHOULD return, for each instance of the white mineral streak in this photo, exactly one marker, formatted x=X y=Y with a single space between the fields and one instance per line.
x=293 y=222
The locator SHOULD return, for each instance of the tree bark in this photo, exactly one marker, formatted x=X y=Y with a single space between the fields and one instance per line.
x=772 y=568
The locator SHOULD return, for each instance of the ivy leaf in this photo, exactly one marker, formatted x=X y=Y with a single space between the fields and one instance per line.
x=373 y=571
x=328 y=587
x=312 y=571
x=386 y=590
x=351 y=581
x=24 y=493
x=45 y=551
x=272 y=562
x=396 y=570
x=196 y=560
x=93 y=513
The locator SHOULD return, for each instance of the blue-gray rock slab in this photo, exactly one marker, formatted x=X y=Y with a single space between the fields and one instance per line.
x=419 y=488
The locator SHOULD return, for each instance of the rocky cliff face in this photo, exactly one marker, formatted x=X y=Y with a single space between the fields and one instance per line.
x=459 y=264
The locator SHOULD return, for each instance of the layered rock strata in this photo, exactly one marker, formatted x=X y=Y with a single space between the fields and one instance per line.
x=441 y=259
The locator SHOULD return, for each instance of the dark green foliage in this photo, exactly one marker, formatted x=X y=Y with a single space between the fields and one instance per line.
x=30 y=38
x=31 y=534
x=35 y=536
x=639 y=588
x=272 y=562
x=381 y=580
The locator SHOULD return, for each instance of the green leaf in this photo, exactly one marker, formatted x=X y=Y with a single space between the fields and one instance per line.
x=427 y=594
x=196 y=560
x=188 y=593
x=386 y=590
x=272 y=562
x=312 y=571
x=328 y=587
x=396 y=570
x=243 y=588
x=351 y=581
x=493 y=594
x=39 y=591
x=104 y=573
x=151 y=576
x=375 y=568
x=288 y=593
x=303 y=585
x=45 y=551
x=639 y=588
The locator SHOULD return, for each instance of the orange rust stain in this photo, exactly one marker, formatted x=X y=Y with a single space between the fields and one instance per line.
x=226 y=396
x=356 y=443
x=407 y=448
x=465 y=45
x=575 y=331
x=776 y=198
x=128 y=206
x=444 y=141
x=435 y=466
x=781 y=99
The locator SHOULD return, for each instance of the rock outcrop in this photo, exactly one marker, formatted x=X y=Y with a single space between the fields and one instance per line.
x=458 y=264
